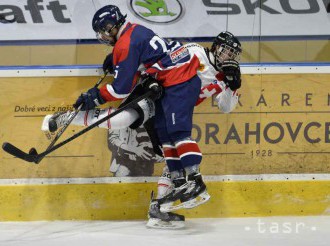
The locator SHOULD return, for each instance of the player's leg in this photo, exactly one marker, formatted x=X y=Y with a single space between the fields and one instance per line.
x=143 y=109
x=179 y=127
x=156 y=218
x=172 y=159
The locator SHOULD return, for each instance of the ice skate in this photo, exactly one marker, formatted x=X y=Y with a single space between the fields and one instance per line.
x=180 y=187
x=54 y=122
x=194 y=195
x=159 y=220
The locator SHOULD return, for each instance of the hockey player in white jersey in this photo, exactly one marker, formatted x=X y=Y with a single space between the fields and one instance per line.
x=220 y=74
x=182 y=73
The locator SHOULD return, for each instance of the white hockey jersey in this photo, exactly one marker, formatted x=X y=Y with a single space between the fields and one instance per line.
x=188 y=61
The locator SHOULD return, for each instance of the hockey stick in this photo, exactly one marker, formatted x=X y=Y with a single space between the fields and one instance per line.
x=62 y=130
x=33 y=155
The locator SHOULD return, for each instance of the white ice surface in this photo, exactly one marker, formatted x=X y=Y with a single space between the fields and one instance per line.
x=202 y=232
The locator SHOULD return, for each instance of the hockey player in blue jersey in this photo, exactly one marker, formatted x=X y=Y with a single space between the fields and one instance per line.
x=135 y=48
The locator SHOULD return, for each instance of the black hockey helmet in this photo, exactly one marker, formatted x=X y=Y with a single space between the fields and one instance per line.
x=109 y=14
x=225 y=47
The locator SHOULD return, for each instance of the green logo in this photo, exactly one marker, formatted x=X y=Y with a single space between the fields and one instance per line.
x=155 y=7
x=159 y=11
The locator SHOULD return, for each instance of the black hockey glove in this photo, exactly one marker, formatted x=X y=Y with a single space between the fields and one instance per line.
x=150 y=83
x=89 y=99
x=108 y=64
x=232 y=74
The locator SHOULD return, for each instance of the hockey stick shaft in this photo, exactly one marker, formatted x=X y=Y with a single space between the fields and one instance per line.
x=78 y=134
x=62 y=130
x=36 y=158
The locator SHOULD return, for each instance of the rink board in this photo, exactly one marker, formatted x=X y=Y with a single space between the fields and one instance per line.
x=281 y=125
x=130 y=200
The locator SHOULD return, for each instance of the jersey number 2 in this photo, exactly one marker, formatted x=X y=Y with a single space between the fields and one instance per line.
x=157 y=40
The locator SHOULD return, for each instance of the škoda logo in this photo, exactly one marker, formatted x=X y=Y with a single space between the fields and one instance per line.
x=157 y=11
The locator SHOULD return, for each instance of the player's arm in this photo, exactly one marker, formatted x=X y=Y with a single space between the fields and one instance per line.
x=126 y=63
x=228 y=99
x=108 y=64
x=210 y=90
x=232 y=74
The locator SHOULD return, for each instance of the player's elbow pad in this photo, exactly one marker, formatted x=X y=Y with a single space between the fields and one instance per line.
x=227 y=100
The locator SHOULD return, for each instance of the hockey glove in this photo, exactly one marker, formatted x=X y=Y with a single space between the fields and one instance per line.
x=108 y=64
x=89 y=100
x=232 y=74
x=150 y=83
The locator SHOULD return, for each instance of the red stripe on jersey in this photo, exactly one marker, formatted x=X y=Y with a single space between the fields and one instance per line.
x=170 y=152
x=177 y=75
x=188 y=147
x=208 y=91
x=105 y=94
x=199 y=101
x=135 y=79
x=121 y=49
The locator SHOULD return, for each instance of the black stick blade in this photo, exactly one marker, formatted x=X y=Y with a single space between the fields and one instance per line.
x=33 y=151
x=11 y=149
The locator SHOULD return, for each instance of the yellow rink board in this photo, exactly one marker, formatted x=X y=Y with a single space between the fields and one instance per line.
x=281 y=125
x=130 y=201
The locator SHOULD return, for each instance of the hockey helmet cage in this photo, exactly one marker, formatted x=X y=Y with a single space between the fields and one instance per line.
x=226 y=46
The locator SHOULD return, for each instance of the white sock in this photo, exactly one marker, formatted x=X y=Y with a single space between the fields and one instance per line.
x=164 y=186
x=122 y=120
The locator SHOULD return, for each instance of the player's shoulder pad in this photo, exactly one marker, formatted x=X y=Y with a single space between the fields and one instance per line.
x=193 y=45
x=122 y=47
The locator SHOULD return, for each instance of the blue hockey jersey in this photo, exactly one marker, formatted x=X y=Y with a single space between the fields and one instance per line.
x=136 y=49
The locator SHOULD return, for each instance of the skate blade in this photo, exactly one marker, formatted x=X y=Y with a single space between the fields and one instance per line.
x=169 y=207
x=159 y=224
x=202 y=198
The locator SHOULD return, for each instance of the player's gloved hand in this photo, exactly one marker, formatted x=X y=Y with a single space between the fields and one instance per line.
x=108 y=64
x=232 y=74
x=150 y=83
x=89 y=99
